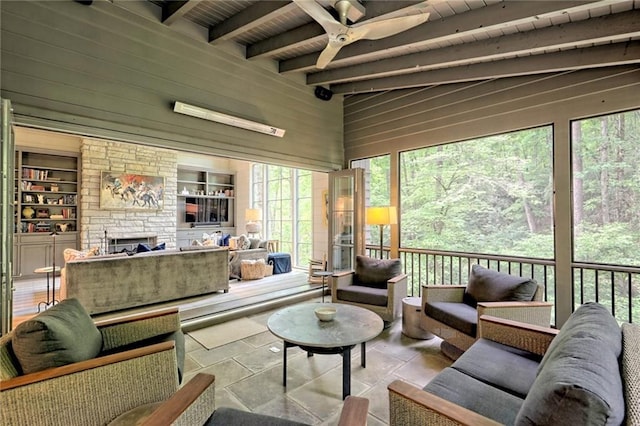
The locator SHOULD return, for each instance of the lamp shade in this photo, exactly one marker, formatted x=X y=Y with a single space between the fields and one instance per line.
x=251 y=215
x=384 y=215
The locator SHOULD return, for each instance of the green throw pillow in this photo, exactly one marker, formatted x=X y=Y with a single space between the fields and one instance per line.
x=61 y=335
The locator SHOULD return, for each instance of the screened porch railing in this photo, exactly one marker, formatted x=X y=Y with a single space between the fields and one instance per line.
x=616 y=287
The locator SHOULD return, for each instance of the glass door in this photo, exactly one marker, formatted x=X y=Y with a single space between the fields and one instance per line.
x=346 y=218
x=7 y=221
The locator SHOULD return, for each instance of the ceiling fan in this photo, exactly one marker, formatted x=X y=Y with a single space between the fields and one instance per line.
x=340 y=34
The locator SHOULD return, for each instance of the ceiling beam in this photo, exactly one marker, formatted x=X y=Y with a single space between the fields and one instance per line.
x=313 y=32
x=303 y=35
x=611 y=28
x=592 y=57
x=174 y=10
x=478 y=21
x=249 y=18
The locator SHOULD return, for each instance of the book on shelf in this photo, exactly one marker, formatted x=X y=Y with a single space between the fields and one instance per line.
x=35 y=174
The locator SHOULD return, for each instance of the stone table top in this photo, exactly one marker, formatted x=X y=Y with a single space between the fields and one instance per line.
x=299 y=325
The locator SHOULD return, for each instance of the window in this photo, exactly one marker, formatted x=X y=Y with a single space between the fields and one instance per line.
x=490 y=195
x=284 y=194
x=606 y=189
x=377 y=185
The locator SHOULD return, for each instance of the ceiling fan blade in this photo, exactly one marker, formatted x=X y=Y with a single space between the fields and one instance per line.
x=328 y=53
x=320 y=15
x=388 y=27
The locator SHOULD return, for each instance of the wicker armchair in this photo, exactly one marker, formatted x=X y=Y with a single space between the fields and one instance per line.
x=377 y=285
x=458 y=338
x=129 y=371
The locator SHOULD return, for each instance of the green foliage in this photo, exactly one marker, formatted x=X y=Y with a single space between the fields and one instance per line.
x=488 y=195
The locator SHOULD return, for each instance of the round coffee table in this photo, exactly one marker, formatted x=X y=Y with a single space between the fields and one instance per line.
x=298 y=326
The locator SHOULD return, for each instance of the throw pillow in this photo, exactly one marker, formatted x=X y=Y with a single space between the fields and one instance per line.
x=243 y=242
x=376 y=272
x=142 y=248
x=63 y=334
x=579 y=380
x=70 y=254
x=160 y=246
x=224 y=240
x=255 y=243
x=487 y=285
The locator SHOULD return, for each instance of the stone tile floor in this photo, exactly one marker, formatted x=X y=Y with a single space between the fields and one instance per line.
x=249 y=375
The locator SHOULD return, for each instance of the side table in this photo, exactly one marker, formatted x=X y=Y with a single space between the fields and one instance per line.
x=51 y=297
x=324 y=275
x=411 y=311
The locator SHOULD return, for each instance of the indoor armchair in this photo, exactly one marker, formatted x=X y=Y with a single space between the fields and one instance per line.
x=377 y=285
x=451 y=312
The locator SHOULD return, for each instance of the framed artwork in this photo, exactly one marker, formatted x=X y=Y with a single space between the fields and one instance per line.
x=325 y=207
x=131 y=191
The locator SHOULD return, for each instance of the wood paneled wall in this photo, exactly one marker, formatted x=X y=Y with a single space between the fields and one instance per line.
x=394 y=121
x=103 y=70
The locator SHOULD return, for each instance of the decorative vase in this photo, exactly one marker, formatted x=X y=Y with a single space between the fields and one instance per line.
x=28 y=212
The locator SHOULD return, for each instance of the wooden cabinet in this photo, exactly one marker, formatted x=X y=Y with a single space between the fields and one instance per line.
x=46 y=188
x=206 y=203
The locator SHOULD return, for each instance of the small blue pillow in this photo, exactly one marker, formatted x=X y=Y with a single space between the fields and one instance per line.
x=142 y=248
x=224 y=240
x=160 y=246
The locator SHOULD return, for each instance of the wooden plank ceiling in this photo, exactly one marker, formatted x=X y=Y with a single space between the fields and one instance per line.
x=462 y=41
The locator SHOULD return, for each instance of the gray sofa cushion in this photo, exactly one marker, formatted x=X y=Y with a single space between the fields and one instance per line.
x=372 y=272
x=474 y=395
x=460 y=316
x=487 y=285
x=225 y=416
x=579 y=378
x=61 y=335
x=363 y=294
x=509 y=369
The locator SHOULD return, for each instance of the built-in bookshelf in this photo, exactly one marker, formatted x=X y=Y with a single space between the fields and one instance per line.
x=46 y=188
x=206 y=200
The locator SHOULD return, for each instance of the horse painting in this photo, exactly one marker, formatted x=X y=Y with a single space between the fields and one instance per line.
x=131 y=191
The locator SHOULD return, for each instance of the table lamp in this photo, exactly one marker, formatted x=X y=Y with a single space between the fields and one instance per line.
x=381 y=216
x=253 y=216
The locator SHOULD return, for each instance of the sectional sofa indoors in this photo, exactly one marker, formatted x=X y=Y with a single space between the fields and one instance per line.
x=588 y=373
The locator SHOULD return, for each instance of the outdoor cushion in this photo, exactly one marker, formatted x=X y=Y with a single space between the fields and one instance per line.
x=509 y=369
x=579 y=377
x=487 y=285
x=61 y=335
x=463 y=390
x=375 y=272
x=364 y=295
x=457 y=315
x=225 y=416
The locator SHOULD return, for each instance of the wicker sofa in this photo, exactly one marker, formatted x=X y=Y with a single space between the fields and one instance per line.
x=62 y=368
x=588 y=373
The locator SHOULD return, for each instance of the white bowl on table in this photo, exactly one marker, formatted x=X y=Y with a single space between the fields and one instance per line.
x=325 y=313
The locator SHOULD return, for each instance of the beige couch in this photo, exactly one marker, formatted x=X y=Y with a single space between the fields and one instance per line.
x=112 y=283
